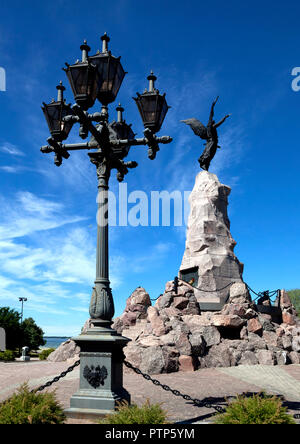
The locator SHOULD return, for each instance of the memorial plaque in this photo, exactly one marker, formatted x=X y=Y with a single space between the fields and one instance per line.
x=190 y=276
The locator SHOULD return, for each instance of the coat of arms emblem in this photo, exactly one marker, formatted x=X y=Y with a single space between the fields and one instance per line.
x=95 y=375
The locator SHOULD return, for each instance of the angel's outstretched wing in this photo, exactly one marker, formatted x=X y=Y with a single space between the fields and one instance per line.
x=198 y=127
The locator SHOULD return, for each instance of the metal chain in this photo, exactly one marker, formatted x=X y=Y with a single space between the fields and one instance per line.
x=208 y=291
x=271 y=293
x=57 y=378
x=165 y=387
x=175 y=392
x=212 y=291
x=267 y=293
x=200 y=289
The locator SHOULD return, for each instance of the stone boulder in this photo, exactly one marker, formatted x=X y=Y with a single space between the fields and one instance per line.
x=136 y=309
x=65 y=351
x=289 y=314
x=156 y=321
x=254 y=326
x=217 y=356
x=152 y=360
x=239 y=294
x=68 y=349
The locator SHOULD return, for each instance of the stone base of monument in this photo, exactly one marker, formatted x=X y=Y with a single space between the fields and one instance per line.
x=101 y=374
x=176 y=335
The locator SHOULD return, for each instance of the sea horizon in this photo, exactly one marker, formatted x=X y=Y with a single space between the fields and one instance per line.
x=54 y=341
x=55 y=336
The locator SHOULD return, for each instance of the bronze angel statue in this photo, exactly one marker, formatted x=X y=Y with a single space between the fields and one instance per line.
x=208 y=133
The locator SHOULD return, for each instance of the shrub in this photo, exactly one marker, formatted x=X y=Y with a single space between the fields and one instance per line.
x=7 y=356
x=43 y=355
x=25 y=407
x=256 y=409
x=132 y=414
x=33 y=354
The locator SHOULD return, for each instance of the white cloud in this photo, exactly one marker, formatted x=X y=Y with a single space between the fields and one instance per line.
x=34 y=204
x=56 y=271
x=72 y=258
x=60 y=258
x=9 y=169
x=61 y=330
x=155 y=255
x=77 y=172
x=84 y=309
x=27 y=214
x=11 y=149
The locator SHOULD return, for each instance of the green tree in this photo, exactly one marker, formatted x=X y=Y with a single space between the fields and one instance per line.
x=32 y=335
x=295 y=298
x=10 y=321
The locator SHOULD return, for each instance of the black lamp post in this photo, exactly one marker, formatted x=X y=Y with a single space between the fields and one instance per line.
x=100 y=76
x=22 y=300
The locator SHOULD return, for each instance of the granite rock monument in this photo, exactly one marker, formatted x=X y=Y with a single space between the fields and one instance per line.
x=209 y=262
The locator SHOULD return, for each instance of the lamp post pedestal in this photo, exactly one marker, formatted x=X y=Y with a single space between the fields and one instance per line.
x=101 y=373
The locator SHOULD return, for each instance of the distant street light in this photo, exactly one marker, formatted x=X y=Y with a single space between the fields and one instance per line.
x=22 y=300
x=100 y=77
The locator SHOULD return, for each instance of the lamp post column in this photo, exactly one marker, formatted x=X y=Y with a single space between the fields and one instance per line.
x=102 y=305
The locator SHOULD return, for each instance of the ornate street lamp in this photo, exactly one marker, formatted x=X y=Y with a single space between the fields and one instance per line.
x=100 y=76
x=110 y=73
x=152 y=106
x=55 y=112
x=83 y=79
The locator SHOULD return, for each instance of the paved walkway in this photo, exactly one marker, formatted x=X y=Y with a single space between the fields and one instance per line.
x=218 y=383
x=272 y=379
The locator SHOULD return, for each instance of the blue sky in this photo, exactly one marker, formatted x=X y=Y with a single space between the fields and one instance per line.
x=242 y=51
